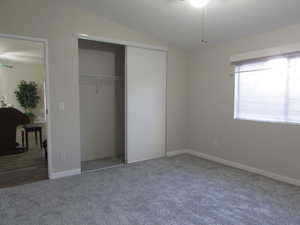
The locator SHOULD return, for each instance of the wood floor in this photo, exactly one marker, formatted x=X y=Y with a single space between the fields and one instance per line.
x=23 y=168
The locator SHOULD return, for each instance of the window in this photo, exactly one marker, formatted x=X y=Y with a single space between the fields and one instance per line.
x=268 y=90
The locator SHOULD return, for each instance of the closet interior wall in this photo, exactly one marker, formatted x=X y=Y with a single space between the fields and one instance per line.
x=102 y=107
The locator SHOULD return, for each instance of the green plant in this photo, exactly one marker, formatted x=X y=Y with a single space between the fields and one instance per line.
x=27 y=96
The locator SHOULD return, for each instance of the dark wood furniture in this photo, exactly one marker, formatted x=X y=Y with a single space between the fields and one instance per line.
x=37 y=130
x=10 y=119
x=45 y=146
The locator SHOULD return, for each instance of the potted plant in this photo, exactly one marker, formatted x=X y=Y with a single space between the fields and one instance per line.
x=28 y=98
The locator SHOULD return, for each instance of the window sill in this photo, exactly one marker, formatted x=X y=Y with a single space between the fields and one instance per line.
x=269 y=121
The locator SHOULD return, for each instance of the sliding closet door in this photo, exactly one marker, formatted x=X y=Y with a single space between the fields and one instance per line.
x=146 y=104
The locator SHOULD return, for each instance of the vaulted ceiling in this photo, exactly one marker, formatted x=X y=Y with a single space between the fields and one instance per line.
x=175 y=21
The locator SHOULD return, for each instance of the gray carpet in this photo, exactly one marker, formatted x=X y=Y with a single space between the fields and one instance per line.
x=182 y=190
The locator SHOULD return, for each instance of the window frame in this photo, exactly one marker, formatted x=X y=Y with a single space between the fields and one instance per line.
x=237 y=74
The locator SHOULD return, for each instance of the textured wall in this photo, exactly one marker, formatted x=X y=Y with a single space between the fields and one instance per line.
x=212 y=129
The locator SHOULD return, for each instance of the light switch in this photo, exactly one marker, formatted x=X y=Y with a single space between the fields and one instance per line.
x=61 y=106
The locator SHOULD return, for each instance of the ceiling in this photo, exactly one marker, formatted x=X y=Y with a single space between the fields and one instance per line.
x=13 y=50
x=176 y=22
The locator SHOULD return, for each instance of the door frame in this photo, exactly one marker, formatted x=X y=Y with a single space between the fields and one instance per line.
x=138 y=45
x=46 y=92
x=121 y=42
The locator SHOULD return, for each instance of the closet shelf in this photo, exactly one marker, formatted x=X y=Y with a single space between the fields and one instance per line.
x=100 y=77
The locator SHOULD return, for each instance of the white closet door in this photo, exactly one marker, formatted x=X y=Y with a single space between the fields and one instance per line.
x=146 y=104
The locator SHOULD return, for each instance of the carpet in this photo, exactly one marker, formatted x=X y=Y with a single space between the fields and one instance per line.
x=182 y=190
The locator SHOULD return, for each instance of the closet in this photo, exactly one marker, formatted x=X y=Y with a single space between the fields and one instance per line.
x=101 y=90
x=122 y=92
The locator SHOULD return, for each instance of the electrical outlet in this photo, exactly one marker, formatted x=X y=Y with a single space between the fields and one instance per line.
x=61 y=106
x=63 y=156
x=216 y=143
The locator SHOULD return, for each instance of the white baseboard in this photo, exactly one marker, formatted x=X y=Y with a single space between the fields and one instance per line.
x=271 y=175
x=178 y=152
x=66 y=173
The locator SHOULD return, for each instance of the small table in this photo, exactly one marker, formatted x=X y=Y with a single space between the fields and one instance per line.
x=37 y=129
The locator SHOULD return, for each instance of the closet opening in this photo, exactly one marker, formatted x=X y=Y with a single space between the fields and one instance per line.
x=102 y=104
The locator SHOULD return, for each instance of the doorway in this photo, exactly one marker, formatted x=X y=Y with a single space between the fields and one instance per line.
x=101 y=91
x=23 y=110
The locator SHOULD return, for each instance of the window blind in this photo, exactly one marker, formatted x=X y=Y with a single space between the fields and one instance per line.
x=268 y=89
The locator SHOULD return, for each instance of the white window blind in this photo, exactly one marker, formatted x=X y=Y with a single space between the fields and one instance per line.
x=268 y=90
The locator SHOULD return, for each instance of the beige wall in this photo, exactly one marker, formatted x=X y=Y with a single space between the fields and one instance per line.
x=177 y=101
x=60 y=21
x=212 y=130
x=10 y=78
